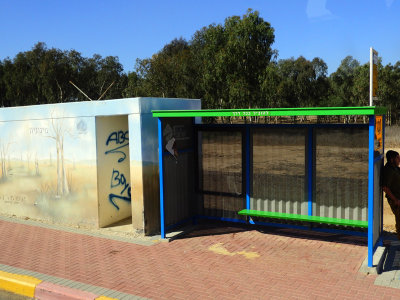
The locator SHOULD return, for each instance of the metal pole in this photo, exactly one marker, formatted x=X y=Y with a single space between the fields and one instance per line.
x=371 y=190
x=371 y=66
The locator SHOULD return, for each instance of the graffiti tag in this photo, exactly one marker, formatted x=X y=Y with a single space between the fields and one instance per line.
x=119 y=180
x=119 y=138
x=121 y=190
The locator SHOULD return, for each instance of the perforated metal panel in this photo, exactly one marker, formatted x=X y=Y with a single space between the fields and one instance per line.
x=341 y=173
x=279 y=170
x=220 y=172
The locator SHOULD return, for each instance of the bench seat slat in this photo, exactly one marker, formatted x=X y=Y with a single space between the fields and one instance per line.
x=304 y=218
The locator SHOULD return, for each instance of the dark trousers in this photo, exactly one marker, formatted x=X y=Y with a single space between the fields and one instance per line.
x=396 y=211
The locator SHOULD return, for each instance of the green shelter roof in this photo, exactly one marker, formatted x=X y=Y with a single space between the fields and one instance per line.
x=273 y=112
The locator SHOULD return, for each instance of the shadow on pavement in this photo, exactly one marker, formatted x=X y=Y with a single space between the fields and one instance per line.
x=213 y=227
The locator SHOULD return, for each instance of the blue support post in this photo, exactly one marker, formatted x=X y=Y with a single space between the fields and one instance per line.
x=161 y=170
x=383 y=159
x=247 y=167
x=371 y=137
x=310 y=171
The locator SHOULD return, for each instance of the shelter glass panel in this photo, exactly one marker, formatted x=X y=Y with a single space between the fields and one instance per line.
x=279 y=170
x=341 y=173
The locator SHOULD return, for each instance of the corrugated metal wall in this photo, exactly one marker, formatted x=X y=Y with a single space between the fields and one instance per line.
x=341 y=173
x=220 y=171
x=279 y=170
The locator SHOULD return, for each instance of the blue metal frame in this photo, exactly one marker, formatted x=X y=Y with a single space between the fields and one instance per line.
x=371 y=189
x=161 y=175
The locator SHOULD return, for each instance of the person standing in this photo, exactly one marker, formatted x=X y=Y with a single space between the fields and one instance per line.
x=391 y=185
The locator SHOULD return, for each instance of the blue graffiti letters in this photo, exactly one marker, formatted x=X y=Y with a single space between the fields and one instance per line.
x=116 y=150
x=118 y=142
x=118 y=179
x=112 y=196
x=119 y=138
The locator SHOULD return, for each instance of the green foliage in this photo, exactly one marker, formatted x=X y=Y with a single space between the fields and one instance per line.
x=229 y=65
x=295 y=83
x=43 y=75
x=233 y=58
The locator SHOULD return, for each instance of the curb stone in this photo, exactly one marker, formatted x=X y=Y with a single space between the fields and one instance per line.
x=33 y=287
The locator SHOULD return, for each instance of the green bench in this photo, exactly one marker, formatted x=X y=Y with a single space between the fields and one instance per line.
x=303 y=218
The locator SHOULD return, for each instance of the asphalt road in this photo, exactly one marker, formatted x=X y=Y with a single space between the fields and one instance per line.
x=4 y=295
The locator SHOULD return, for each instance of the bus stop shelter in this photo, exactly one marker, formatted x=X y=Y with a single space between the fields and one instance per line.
x=314 y=170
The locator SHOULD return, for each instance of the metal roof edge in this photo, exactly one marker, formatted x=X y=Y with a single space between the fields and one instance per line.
x=301 y=111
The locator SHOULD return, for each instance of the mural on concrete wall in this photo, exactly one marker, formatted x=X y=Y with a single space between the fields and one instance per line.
x=48 y=168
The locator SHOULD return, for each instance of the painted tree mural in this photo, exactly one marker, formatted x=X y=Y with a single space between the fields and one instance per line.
x=59 y=130
x=4 y=153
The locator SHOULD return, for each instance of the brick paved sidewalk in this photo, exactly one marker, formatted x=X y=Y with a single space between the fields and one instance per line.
x=210 y=263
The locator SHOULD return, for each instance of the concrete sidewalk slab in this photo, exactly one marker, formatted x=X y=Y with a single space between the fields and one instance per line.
x=377 y=262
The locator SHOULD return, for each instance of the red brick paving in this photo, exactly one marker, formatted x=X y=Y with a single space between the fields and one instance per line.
x=291 y=264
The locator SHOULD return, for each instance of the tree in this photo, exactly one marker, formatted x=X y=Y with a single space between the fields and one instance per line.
x=43 y=75
x=388 y=89
x=169 y=73
x=295 y=83
x=2 y=86
x=342 y=81
x=360 y=90
x=232 y=58
x=133 y=86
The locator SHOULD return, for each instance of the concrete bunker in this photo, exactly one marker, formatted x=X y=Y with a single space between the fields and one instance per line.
x=89 y=163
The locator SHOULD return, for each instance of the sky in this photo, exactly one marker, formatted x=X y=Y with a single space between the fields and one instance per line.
x=131 y=29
